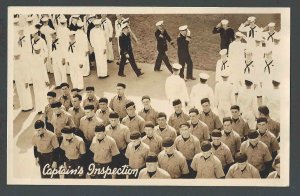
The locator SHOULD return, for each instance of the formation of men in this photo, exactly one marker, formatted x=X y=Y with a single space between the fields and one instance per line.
x=232 y=131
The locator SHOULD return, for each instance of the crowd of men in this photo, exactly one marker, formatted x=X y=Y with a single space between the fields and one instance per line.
x=232 y=131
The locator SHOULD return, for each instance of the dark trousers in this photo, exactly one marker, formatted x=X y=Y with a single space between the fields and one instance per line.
x=88 y=157
x=61 y=156
x=162 y=56
x=74 y=165
x=44 y=159
x=189 y=62
x=100 y=166
x=132 y=63
x=121 y=160
x=192 y=173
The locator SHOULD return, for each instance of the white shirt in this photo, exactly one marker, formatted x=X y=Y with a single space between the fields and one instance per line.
x=249 y=33
x=81 y=37
x=201 y=91
x=106 y=25
x=224 y=95
x=269 y=37
x=97 y=38
x=222 y=66
x=175 y=88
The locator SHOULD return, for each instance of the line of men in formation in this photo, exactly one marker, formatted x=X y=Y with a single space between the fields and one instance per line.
x=78 y=132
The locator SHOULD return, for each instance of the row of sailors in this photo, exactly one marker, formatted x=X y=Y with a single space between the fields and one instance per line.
x=225 y=94
x=184 y=157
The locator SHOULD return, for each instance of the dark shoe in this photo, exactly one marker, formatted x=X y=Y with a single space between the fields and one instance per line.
x=103 y=77
x=192 y=78
x=40 y=112
x=140 y=74
x=31 y=84
x=118 y=63
x=158 y=70
x=109 y=61
x=27 y=110
x=122 y=75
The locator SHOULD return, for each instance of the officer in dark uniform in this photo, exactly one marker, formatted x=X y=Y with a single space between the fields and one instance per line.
x=162 y=37
x=126 y=52
x=226 y=33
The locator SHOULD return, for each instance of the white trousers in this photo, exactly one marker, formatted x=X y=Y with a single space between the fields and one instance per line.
x=76 y=74
x=224 y=111
x=101 y=62
x=86 y=66
x=59 y=70
x=24 y=95
x=109 y=51
x=249 y=117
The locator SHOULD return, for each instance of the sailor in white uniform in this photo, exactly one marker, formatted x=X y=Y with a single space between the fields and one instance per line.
x=21 y=70
x=63 y=34
x=268 y=35
x=223 y=64
x=251 y=29
x=118 y=30
x=98 y=42
x=201 y=91
x=271 y=98
x=73 y=51
x=106 y=25
x=83 y=42
x=175 y=86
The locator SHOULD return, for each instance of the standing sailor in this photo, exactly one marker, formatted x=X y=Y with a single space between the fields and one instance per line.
x=251 y=29
x=107 y=27
x=82 y=39
x=226 y=33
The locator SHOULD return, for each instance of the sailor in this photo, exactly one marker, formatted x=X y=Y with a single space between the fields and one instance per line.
x=269 y=34
x=223 y=64
x=251 y=29
x=106 y=25
x=226 y=33
x=82 y=39
x=178 y=117
x=148 y=113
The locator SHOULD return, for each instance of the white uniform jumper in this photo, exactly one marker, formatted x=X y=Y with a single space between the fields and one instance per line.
x=81 y=37
x=201 y=91
x=175 y=88
x=107 y=27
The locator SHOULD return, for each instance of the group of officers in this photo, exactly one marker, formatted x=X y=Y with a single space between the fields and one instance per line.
x=77 y=132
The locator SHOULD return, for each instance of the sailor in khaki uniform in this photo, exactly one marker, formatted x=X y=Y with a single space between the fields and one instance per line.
x=276 y=166
x=242 y=169
x=198 y=128
x=239 y=125
x=258 y=153
x=51 y=97
x=76 y=111
x=188 y=145
x=206 y=164
x=148 y=113
x=91 y=98
x=152 y=171
x=209 y=117
x=65 y=98
x=164 y=130
x=267 y=137
x=74 y=150
x=136 y=153
x=104 y=111
x=221 y=150
x=172 y=160
x=118 y=102
x=121 y=134
x=133 y=121
x=151 y=139
x=272 y=125
x=229 y=137
x=105 y=151
x=179 y=116
x=45 y=147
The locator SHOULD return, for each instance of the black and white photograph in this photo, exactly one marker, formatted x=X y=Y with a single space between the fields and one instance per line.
x=160 y=96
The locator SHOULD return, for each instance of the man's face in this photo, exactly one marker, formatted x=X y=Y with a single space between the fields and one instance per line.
x=162 y=121
x=37 y=51
x=235 y=113
x=67 y=136
x=242 y=166
x=262 y=126
x=65 y=90
x=72 y=37
x=57 y=110
x=21 y=33
x=103 y=16
x=120 y=90
x=169 y=150
x=35 y=35
x=227 y=126
x=114 y=121
x=89 y=113
x=149 y=131
x=224 y=57
x=40 y=131
x=126 y=30
x=207 y=154
x=253 y=141
x=119 y=16
x=76 y=102
x=178 y=108
x=185 y=131
x=136 y=142
x=146 y=103
x=53 y=36
x=74 y=20
x=130 y=111
x=249 y=56
x=224 y=25
x=161 y=28
x=29 y=23
x=183 y=32
x=268 y=55
x=100 y=135
x=261 y=115
x=216 y=140
x=90 y=94
x=194 y=117
x=50 y=99
x=271 y=29
x=258 y=43
x=103 y=106
x=151 y=166
x=206 y=107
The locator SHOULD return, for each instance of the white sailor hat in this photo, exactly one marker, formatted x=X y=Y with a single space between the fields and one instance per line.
x=126 y=20
x=37 y=46
x=248 y=51
x=159 y=23
x=72 y=33
x=267 y=50
x=97 y=21
x=239 y=34
x=176 y=66
x=52 y=31
x=29 y=18
x=182 y=28
x=204 y=76
x=251 y=18
x=80 y=23
x=124 y=25
x=223 y=52
x=62 y=19
x=45 y=19
x=75 y=16
x=224 y=22
x=16 y=20
x=271 y=24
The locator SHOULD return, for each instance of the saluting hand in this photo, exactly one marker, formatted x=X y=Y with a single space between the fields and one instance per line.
x=218 y=25
x=54 y=165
